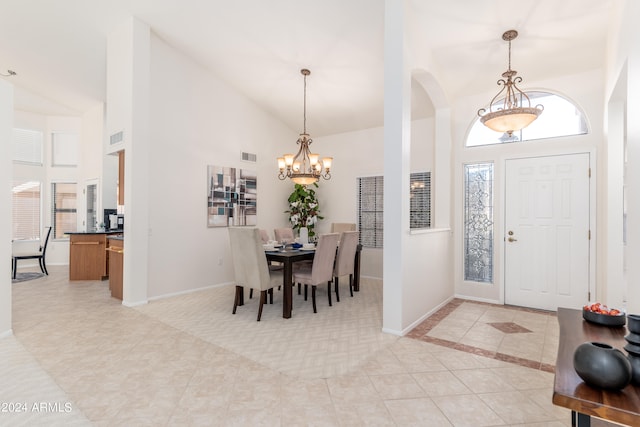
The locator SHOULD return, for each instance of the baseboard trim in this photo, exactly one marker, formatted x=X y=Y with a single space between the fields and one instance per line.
x=6 y=334
x=426 y=315
x=190 y=291
x=470 y=298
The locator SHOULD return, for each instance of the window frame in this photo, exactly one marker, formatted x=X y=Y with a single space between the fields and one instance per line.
x=55 y=210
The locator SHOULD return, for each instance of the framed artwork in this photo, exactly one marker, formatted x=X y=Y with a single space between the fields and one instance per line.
x=232 y=196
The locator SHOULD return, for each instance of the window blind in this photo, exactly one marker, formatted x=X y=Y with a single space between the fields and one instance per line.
x=63 y=209
x=370 y=211
x=64 y=149
x=26 y=210
x=371 y=206
x=27 y=146
x=420 y=200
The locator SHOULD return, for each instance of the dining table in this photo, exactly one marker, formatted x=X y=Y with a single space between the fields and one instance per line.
x=570 y=391
x=287 y=257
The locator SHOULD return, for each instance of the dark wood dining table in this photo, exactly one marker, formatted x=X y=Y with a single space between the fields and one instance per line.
x=569 y=391
x=288 y=258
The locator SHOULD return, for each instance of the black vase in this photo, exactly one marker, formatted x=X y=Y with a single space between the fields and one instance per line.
x=601 y=365
x=634 y=359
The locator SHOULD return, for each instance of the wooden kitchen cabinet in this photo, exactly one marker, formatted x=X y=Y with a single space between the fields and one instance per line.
x=116 y=258
x=88 y=259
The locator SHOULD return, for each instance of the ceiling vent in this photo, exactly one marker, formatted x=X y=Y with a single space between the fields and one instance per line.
x=249 y=157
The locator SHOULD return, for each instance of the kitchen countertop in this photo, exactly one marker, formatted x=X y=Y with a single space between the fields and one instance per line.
x=96 y=232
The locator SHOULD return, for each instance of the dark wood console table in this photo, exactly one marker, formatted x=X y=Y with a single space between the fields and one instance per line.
x=571 y=392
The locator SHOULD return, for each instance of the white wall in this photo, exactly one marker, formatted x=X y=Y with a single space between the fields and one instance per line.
x=586 y=90
x=623 y=69
x=359 y=154
x=197 y=120
x=6 y=172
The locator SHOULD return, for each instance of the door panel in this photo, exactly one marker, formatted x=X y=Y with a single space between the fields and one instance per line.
x=547 y=231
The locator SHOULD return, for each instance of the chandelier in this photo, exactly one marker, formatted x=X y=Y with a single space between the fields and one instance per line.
x=304 y=167
x=511 y=113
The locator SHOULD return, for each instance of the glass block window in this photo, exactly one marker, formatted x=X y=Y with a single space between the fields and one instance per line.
x=478 y=222
x=560 y=117
x=63 y=209
x=420 y=200
x=370 y=214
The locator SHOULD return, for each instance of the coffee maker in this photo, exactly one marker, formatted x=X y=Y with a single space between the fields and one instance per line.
x=110 y=219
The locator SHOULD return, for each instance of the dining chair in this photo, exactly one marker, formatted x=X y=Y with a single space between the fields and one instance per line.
x=345 y=259
x=321 y=270
x=339 y=227
x=39 y=255
x=264 y=236
x=250 y=265
x=284 y=235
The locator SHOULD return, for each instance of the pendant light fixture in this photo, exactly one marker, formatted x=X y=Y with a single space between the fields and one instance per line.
x=304 y=167
x=514 y=112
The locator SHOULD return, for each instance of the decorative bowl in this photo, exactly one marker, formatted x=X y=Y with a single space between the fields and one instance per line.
x=634 y=323
x=604 y=319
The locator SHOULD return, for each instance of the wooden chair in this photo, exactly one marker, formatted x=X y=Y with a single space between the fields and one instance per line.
x=321 y=270
x=40 y=256
x=250 y=265
x=345 y=259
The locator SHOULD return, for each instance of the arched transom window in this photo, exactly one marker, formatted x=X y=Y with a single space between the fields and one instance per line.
x=561 y=117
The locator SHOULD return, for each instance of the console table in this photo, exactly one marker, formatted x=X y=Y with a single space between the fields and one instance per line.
x=571 y=392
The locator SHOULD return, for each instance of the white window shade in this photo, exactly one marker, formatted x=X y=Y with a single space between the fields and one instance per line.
x=26 y=210
x=27 y=146
x=64 y=149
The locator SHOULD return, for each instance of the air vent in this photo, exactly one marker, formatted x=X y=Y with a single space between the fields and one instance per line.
x=249 y=157
x=116 y=138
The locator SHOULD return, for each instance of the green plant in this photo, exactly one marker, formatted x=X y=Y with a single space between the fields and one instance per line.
x=304 y=210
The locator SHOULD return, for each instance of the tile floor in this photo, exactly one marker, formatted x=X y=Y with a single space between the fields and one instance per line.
x=78 y=357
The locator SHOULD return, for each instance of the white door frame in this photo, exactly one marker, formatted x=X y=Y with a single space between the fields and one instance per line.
x=500 y=231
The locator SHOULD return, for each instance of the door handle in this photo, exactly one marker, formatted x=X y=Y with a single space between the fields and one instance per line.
x=511 y=239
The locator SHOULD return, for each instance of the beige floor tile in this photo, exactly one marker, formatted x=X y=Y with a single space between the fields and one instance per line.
x=187 y=360
x=515 y=407
x=442 y=383
x=482 y=380
x=416 y=412
x=467 y=410
x=396 y=386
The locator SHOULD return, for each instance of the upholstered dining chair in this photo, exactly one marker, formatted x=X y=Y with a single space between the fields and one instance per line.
x=345 y=259
x=264 y=236
x=321 y=270
x=284 y=235
x=339 y=227
x=39 y=255
x=250 y=265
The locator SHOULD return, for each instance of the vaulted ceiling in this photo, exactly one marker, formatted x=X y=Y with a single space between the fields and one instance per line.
x=58 y=49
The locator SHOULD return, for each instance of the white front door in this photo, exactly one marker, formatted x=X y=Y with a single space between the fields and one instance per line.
x=547 y=231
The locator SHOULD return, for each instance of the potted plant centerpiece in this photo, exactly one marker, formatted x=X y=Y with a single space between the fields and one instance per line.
x=303 y=210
